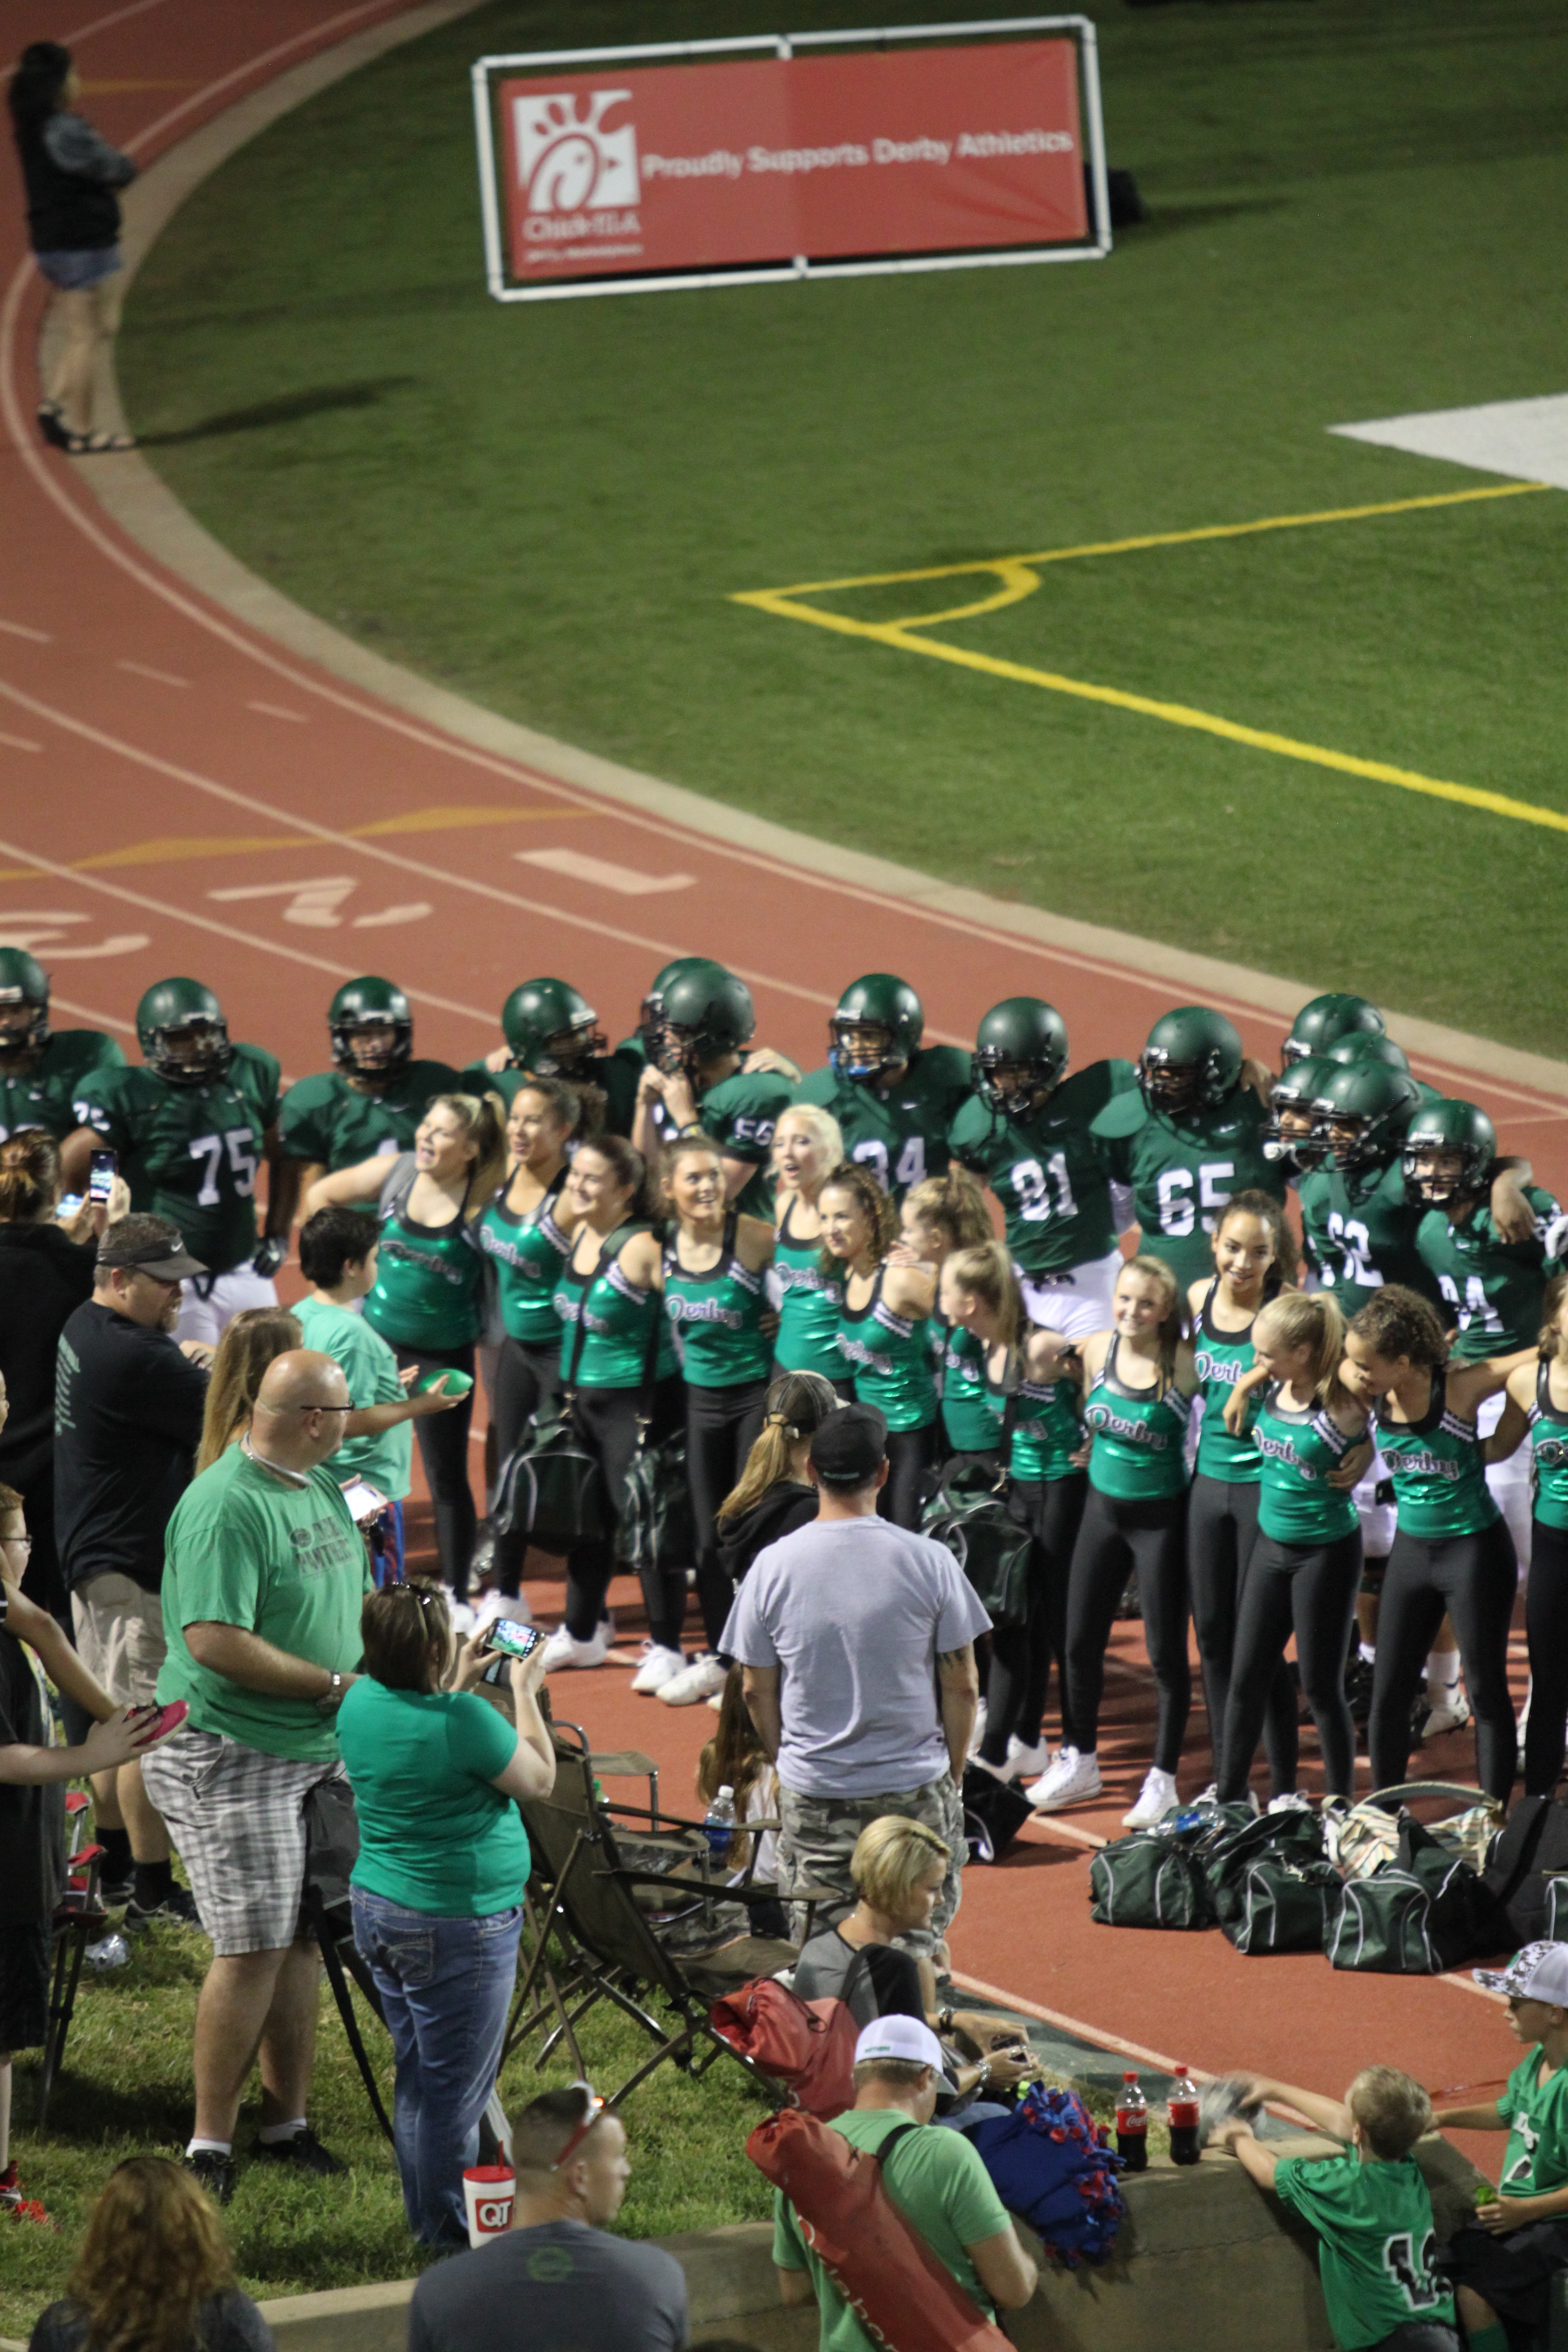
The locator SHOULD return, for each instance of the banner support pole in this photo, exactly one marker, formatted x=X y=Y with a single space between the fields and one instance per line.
x=1089 y=55
x=489 y=209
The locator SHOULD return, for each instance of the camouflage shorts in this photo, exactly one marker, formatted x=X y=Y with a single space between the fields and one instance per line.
x=819 y=1834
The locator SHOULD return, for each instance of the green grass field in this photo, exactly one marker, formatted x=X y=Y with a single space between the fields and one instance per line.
x=552 y=506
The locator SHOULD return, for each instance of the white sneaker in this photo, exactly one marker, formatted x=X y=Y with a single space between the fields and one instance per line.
x=1451 y=1714
x=705 y=1678
x=978 y=1733
x=1155 y=1800
x=658 y=1666
x=462 y=1616
x=1072 y=1779
x=494 y=1605
x=1005 y=1772
x=564 y=1649
x=1024 y=1762
x=1292 y=1801
x=716 y=1702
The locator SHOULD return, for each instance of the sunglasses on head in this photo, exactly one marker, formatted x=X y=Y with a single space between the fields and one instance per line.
x=592 y=2110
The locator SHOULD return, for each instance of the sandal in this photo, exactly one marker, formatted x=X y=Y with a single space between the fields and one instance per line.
x=97 y=445
x=51 y=424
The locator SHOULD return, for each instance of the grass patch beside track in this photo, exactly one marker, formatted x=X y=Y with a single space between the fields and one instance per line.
x=552 y=506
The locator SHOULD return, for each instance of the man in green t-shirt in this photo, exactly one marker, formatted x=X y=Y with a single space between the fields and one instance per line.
x=264 y=1577
x=1378 y=2248
x=935 y=2178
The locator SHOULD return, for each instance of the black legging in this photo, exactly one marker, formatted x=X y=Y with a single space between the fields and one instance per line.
x=911 y=1453
x=1222 y=1529
x=606 y=1422
x=1117 y=1539
x=444 y=1450
x=1475 y=1578
x=1307 y=1589
x=527 y=1375
x=1546 y=1624
x=1021 y=1654
x=721 y=1427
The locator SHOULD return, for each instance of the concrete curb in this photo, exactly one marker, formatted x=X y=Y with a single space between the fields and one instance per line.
x=149 y=513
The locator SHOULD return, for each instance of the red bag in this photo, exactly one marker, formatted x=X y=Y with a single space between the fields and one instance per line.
x=903 y=2295
x=808 y=2046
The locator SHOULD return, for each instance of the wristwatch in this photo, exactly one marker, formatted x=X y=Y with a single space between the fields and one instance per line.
x=944 y=2021
x=332 y=1696
x=984 y=2077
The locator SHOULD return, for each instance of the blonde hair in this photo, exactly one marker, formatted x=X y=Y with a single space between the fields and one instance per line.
x=986 y=1272
x=956 y=1203
x=256 y=1336
x=153 y=2253
x=1392 y=2110
x=1172 y=1328
x=823 y=1128
x=891 y=1856
x=1306 y=1318
x=482 y=1119
x=797 y=1405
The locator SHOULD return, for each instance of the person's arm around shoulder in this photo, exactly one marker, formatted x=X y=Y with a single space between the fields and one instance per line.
x=754 y=1242
x=910 y=1291
x=1513 y=1425
x=1469 y=1385
x=346 y=1187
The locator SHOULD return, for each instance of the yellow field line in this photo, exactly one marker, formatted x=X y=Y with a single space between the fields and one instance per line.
x=175 y=848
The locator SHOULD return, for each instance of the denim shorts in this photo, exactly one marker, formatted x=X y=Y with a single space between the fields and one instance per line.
x=74 y=273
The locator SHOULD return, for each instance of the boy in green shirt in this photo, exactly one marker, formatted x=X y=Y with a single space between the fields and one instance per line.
x=1371 y=2210
x=1502 y=2263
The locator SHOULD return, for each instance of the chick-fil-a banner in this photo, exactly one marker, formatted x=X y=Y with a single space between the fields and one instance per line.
x=694 y=167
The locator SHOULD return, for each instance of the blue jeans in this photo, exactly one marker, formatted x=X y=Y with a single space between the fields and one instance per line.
x=444 y=1985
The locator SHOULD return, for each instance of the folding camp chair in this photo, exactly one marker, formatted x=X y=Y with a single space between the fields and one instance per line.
x=79 y=1919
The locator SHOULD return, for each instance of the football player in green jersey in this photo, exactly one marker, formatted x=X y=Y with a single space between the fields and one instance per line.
x=192 y=1126
x=1292 y=1139
x=1325 y=1021
x=552 y=1032
x=1492 y=1287
x=696 y=1078
x=1201 y=1141
x=1043 y=1142
x=41 y=1067
x=893 y=1098
x=372 y=1098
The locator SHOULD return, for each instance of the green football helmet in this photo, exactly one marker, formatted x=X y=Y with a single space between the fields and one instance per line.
x=651 y=1015
x=371 y=1027
x=876 y=1027
x=549 y=1028
x=1451 y=1131
x=1364 y=1045
x=1020 y=1052
x=183 y=1013
x=1363 y=1111
x=1327 y=1019
x=702 y=1014
x=24 y=1005
x=1293 y=1138
x=1192 y=1061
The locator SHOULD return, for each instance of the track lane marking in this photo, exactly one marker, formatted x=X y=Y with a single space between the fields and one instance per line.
x=159 y=677
x=167 y=849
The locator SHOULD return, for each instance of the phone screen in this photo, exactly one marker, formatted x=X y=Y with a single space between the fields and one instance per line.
x=363 y=1500
x=515 y=1640
x=102 y=1169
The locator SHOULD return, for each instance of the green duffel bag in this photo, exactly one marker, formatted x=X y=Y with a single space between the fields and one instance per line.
x=1292 y=1839
x=1384 y=1927
x=1149 y=1880
x=969 y=1513
x=1275 y=1905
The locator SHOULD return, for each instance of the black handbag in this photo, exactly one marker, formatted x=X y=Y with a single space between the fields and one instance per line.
x=551 y=1488
x=969 y=1513
x=994 y=1812
x=658 y=1527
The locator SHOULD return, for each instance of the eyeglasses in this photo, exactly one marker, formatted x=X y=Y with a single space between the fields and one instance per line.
x=326 y=1408
x=591 y=2114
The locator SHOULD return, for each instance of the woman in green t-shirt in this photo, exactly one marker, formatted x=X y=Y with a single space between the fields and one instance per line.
x=436 y=1772
x=1537 y=1407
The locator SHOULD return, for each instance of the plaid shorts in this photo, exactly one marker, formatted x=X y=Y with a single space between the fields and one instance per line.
x=236 y=1816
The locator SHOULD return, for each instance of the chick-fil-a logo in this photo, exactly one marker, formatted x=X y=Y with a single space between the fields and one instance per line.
x=567 y=161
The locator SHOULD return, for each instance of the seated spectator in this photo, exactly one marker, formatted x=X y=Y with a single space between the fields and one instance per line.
x=248 y=1344
x=775 y=1495
x=438 y=1887
x=557 y=2282
x=735 y=1758
x=934 y=2178
x=1370 y=2210
x=898 y=1867
x=153 y=2274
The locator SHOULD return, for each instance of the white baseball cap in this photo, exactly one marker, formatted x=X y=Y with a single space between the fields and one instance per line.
x=1538 y=1973
x=900 y=2037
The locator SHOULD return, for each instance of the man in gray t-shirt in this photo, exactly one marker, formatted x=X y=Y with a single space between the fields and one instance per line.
x=857 y=1644
x=557 y=2282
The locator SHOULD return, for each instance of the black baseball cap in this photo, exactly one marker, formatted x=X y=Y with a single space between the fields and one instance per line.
x=851 y=1446
x=163 y=1255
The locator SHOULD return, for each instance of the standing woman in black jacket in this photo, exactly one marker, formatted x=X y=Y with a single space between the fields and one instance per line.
x=73 y=226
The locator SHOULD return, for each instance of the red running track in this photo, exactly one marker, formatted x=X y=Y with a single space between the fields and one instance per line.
x=156 y=758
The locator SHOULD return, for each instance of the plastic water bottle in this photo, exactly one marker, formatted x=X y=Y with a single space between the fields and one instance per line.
x=718 y=1823
x=1132 y=2125
x=1182 y=2110
x=110 y=1951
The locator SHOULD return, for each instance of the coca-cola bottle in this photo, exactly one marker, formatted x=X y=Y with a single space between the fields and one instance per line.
x=1182 y=2111
x=1132 y=2125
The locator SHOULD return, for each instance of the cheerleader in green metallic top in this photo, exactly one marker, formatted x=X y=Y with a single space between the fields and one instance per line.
x=936 y=1217
x=1452 y=1550
x=713 y=1275
x=807 y=1147
x=1139 y=1382
x=1255 y=1258
x=526 y=1232
x=1311 y=1438
x=1537 y=1409
x=980 y=1295
x=882 y=1333
x=607 y=1298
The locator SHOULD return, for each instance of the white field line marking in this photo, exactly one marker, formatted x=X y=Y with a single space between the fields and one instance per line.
x=88 y=1011
x=35 y=636
x=116 y=16
x=276 y=711
x=20 y=743
x=601 y=873
x=159 y=677
x=414 y=912
x=222 y=930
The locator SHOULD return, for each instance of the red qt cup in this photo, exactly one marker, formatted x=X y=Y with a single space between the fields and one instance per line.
x=488 y=2192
